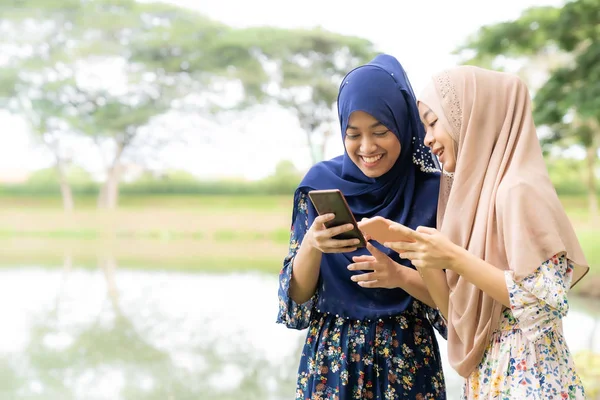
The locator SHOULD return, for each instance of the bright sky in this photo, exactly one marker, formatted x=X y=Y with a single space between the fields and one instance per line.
x=421 y=34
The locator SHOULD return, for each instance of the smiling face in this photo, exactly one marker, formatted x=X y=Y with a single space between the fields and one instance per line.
x=437 y=138
x=371 y=145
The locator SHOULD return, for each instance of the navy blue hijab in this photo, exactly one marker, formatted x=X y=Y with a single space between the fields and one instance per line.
x=407 y=193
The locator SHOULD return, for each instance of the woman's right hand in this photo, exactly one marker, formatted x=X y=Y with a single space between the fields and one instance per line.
x=321 y=237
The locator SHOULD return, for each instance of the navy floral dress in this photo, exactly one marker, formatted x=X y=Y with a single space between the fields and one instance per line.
x=388 y=358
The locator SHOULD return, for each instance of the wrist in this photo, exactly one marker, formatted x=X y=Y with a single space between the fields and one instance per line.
x=458 y=260
x=308 y=241
x=401 y=276
x=308 y=244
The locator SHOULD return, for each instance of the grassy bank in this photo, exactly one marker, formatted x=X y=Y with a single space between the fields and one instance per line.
x=186 y=233
x=208 y=233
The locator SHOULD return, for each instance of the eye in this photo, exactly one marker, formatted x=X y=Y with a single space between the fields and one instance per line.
x=381 y=133
x=351 y=136
x=432 y=124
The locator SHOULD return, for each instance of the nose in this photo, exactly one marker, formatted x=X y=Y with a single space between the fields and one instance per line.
x=367 y=145
x=428 y=139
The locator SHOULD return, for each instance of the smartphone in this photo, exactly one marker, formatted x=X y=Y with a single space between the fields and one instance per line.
x=333 y=201
x=378 y=228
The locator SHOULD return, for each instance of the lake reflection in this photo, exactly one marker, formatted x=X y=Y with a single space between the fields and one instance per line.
x=110 y=335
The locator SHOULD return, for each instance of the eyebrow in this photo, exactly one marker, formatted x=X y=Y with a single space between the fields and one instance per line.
x=375 y=125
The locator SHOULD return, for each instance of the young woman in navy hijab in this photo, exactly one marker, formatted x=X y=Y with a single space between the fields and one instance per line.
x=363 y=342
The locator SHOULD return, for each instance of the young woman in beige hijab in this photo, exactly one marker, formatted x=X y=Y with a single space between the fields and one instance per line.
x=505 y=254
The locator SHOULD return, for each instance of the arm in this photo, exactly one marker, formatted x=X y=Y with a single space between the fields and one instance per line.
x=436 y=283
x=305 y=276
x=412 y=283
x=481 y=274
x=431 y=252
x=313 y=242
x=539 y=301
x=291 y=313
x=433 y=291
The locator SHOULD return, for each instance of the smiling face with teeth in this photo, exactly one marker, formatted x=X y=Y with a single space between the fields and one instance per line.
x=371 y=145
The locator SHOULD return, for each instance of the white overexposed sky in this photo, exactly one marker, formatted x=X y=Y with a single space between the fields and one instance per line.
x=421 y=34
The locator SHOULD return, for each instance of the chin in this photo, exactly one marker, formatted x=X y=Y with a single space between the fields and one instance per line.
x=449 y=168
x=374 y=174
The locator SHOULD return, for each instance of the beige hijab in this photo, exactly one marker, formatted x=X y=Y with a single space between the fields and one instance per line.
x=500 y=203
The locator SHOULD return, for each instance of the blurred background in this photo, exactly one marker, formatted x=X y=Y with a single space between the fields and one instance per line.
x=149 y=153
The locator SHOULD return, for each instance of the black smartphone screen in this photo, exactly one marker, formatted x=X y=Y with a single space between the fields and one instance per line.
x=333 y=201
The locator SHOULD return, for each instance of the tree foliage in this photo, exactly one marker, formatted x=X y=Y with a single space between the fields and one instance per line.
x=568 y=102
x=107 y=70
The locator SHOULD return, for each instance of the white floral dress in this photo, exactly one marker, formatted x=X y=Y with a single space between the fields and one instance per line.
x=528 y=357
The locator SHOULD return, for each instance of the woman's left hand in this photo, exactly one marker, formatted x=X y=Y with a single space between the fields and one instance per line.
x=384 y=271
x=430 y=249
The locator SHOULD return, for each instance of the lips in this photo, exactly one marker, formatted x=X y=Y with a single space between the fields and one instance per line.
x=372 y=159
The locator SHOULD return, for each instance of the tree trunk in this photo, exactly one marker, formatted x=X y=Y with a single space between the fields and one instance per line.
x=591 y=182
x=311 y=146
x=108 y=265
x=102 y=196
x=67 y=268
x=323 y=149
x=65 y=189
x=109 y=193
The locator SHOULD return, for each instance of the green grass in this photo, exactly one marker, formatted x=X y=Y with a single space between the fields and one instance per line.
x=204 y=203
x=588 y=366
x=589 y=238
x=279 y=236
x=590 y=242
x=147 y=222
x=576 y=206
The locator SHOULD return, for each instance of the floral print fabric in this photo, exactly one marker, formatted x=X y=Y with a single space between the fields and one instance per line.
x=392 y=358
x=528 y=357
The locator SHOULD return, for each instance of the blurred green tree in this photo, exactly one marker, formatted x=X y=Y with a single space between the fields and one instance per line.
x=307 y=68
x=110 y=70
x=115 y=104
x=566 y=41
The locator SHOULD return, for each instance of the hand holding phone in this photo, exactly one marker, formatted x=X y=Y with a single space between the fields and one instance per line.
x=341 y=233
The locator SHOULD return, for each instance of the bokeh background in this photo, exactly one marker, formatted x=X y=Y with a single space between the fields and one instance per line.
x=148 y=156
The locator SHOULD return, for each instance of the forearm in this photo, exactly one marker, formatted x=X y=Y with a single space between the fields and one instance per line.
x=483 y=275
x=437 y=286
x=411 y=282
x=306 y=266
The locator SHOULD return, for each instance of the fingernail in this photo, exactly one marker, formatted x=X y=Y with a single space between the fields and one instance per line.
x=353 y=278
x=356 y=241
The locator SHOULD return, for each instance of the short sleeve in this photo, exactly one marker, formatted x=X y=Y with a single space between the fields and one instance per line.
x=291 y=314
x=539 y=301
